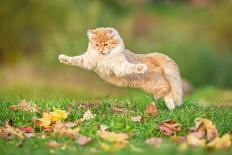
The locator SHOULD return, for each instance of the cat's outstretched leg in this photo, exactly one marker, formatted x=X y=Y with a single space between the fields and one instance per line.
x=129 y=68
x=80 y=61
x=169 y=101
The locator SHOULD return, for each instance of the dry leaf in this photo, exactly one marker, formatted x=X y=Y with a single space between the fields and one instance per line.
x=87 y=115
x=59 y=127
x=151 y=109
x=48 y=117
x=28 y=129
x=154 y=141
x=117 y=109
x=83 y=140
x=45 y=121
x=223 y=142
x=136 y=119
x=58 y=114
x=204 y=127
x=8 y=131
x=168 y=127
x=113 y=137
x=194 y=141
x=25 y=106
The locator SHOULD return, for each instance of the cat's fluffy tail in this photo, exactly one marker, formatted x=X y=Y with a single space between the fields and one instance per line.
x=172 y=74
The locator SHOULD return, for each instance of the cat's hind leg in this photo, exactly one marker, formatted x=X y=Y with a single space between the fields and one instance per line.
x=169 y=101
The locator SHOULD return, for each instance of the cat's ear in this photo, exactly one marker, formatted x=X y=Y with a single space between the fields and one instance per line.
x=91 y=33
x=112 y=31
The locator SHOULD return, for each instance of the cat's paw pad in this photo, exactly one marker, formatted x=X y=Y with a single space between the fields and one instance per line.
x=141 y=68
x=63 y=58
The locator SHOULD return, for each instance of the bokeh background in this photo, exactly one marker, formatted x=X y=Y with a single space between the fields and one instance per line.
x=197 y=34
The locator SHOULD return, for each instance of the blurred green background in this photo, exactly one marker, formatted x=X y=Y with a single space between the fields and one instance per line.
x=197 y=34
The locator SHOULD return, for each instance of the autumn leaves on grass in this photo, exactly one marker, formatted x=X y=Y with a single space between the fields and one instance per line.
x=203 y=134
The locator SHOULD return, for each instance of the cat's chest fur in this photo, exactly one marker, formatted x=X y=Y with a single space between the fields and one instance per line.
x=104 y=67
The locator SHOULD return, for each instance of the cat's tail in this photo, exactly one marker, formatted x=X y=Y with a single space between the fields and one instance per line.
x=172 y=74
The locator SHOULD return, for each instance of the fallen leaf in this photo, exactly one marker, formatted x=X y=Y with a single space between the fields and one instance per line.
x=13 y=107
x=195 y=141
x=83 y=140
x=58 y=114
x=28 y=129
x=168 y=127
x=152 y=110
x=87 y=115
x=25 y=106
x=223 y=142
x=117 y=109
x=59 y=127
x=45 y=121
x=154 y=141
x=136 y=119
x=204 y=127
x=8 y=131
x=113 y=137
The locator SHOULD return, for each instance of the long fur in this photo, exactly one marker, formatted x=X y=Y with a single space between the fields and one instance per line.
x=156 y=73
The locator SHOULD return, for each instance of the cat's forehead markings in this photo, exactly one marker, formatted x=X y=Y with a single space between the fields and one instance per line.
x=101 y=35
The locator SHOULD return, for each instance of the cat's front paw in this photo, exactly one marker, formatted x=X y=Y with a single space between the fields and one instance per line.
x=140 y=68
x=63 y=58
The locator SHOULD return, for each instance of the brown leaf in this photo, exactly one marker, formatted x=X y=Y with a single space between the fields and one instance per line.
x=203 y=127
x=59 y=127
x=8 y=131
x=25 y=106
x=83 y=140
x=28 y=129
x=136 y=119
x=117 y=109
x=154 y=141
x=168 y=127
x=152 y=110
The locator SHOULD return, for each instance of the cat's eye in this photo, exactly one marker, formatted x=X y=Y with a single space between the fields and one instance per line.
x=96 y=44
x=105 y=44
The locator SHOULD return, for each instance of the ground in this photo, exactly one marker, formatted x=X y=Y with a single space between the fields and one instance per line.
x=35 y=85
x=117 y=121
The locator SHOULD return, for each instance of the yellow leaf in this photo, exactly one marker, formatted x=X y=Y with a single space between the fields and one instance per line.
x=58 y=114
x=113 y=137
x=220 y=142
x=45 y=120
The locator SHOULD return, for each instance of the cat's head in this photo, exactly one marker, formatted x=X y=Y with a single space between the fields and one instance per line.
x=105 y=40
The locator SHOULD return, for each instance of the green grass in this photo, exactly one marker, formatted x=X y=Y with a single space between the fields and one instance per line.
x=119 y=122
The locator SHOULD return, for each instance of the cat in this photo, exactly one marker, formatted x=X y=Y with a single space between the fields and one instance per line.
x=155 y=73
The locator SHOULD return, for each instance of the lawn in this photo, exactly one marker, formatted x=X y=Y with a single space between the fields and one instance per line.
x=102 y=107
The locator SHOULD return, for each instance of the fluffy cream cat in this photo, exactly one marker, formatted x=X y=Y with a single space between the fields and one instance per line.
x=156 y=73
